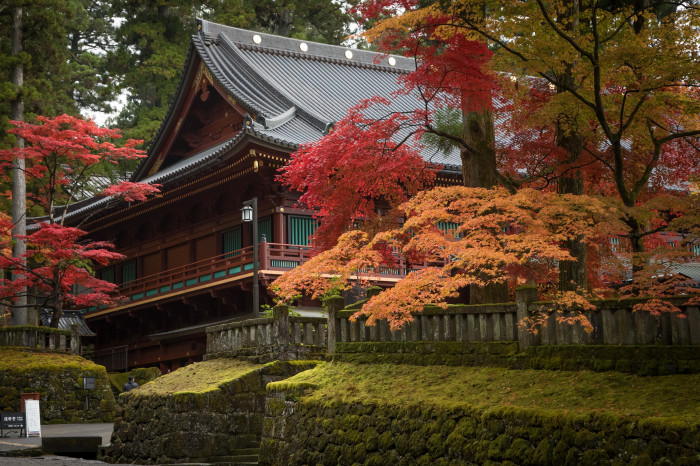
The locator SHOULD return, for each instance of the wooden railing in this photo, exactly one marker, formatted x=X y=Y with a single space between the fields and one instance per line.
x=273 y=256
x=497 y=322
x=278 y=337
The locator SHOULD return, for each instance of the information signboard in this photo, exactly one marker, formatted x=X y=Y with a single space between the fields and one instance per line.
x=12 y=421
x=33 y=418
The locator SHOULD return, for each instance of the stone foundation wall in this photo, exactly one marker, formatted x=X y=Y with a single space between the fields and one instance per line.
x=61 y=394
x=214 y=426
x=303 y=432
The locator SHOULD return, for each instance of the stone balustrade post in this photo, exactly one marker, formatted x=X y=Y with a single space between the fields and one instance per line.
x=75 y=339
x=280 y=328
x=524 y=295
x=333 y=304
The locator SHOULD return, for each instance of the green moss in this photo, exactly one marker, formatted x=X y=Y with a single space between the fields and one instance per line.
x=197 y=378
x=20 y=360
x=549 y=394
x=642 y=360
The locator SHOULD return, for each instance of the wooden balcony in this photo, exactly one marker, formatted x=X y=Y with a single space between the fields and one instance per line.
x=274 y=259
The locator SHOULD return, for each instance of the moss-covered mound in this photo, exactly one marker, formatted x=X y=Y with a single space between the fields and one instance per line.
x=58 y=378
x=199 y=377
x=577 y=392
x=205 y=412
x=341 y=413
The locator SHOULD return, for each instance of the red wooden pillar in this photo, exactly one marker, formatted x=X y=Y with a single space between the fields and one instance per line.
x=279 y=231
x=264 y=255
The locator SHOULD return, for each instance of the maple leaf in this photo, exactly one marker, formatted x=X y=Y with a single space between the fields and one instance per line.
x=362 y=160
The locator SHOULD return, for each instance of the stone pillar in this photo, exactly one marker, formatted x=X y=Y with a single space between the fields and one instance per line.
x=75 y=339
x=332 y=304
x=280 y=326
x=525 y=295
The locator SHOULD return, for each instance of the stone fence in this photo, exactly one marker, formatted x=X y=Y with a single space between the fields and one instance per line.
x=42 y=338
x=614 y=323
x=281 y=337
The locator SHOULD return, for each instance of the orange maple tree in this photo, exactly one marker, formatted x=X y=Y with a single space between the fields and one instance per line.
x=496 y=237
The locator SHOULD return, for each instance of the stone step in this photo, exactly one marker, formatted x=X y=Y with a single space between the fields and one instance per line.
x=246 y=451
x=243 y=458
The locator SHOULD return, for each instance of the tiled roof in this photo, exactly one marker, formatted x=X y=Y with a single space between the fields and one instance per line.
x=690 y=270
x=273 y=76
x=294 y=89
x=293 y=95
x=67 y=320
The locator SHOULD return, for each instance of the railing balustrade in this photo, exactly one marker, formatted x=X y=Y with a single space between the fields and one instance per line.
x=273 y=256
x=614 y=323
x=41 y=338
x=279 y=337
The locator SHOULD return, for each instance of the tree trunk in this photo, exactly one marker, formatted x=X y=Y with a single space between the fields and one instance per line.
x=57 y=311
x=57 y=301
x=636 y=236
x=19 y=183
x=572 y=274
x=479 y=171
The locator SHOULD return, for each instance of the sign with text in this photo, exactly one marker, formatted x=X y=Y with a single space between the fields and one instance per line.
x=12 y=421
x=89 y=383
x=33 y=418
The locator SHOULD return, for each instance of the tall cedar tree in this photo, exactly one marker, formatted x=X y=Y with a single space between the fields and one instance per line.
x=61 y=156
x=64 y=44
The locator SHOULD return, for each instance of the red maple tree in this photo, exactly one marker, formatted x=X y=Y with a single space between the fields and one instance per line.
x=63 y=154
x=625 y=130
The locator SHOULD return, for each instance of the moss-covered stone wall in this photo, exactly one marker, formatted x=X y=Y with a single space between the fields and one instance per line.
x=58 y=378
x=299 y=431
x=643 y=360
x=223 y=424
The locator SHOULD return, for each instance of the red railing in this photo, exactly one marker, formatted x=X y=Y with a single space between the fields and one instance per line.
x=273 y=256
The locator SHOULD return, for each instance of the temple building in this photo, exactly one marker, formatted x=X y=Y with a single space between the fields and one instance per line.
x=244 y=103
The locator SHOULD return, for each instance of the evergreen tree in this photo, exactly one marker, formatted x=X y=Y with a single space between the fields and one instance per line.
x=153 y=43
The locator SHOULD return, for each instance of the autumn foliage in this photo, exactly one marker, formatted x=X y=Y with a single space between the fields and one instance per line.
x=374 y=158
x=494 y=237
x=62 y=155
x=601 y=97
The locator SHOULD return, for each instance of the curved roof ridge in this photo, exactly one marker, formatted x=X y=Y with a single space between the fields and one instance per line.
x=211 y=62
x=269 y=84
x=279 y=120
x=314 y=50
